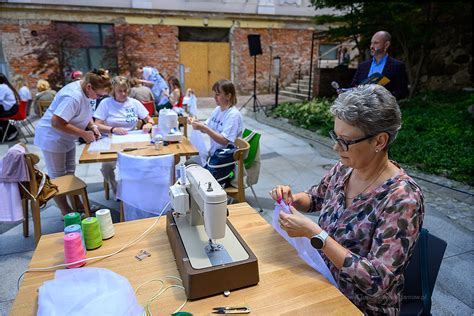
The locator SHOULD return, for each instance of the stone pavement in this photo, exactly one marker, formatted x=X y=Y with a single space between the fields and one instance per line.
x=298 y=158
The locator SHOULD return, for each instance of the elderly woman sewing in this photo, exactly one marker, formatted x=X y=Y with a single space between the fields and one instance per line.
x=371 y=210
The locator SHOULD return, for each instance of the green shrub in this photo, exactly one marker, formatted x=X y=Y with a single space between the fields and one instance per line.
x=436 y=136
x=313 y=115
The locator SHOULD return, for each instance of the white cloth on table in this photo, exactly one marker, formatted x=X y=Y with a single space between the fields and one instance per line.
x=73 y=106
x=13 y=169
x=305 y=250
x=228 y=123
x=88 y=291
x=143 y=184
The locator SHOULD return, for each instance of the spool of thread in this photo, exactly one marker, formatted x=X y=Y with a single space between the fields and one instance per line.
x=72 y=218
x=92 y=234
x=105 y=223
x=75 y=229
x=73 y=250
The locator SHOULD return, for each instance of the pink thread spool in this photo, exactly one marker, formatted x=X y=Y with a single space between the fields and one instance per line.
x=73 y=250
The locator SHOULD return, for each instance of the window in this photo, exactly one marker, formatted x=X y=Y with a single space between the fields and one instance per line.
x=97 y=51
x=328 y=51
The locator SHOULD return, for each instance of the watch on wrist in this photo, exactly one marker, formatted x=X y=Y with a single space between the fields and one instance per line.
x=319 y=241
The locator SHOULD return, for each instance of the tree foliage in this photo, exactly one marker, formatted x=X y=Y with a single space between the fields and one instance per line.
x=414 y=26
x=50 y=50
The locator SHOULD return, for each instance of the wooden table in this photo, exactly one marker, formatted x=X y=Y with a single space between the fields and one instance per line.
x=288 y=286
x=185 y=148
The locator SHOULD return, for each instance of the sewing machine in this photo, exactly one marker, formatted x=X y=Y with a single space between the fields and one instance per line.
x=168 y=124
x=211 y=256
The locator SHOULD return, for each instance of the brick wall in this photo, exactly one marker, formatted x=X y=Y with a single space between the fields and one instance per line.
x=148 y=45
x=293 y=47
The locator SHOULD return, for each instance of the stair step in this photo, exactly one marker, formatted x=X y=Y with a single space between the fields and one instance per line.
x=295 y=89
x=302 y=83
x=300 y=96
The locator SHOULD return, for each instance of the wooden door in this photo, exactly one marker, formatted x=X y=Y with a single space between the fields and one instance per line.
x=204 y=63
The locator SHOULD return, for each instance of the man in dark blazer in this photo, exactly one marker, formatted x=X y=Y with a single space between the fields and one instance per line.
x=390 y=67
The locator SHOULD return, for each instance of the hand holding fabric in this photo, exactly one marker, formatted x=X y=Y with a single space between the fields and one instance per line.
x=298 y=225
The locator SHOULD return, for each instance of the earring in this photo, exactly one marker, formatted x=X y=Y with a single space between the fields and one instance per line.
x=376 y=150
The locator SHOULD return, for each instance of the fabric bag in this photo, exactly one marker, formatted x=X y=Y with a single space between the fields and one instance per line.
x=46 y=189
x=221 y=164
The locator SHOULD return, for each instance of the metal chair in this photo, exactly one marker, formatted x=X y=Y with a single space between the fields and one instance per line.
x=43 y=105
x=18 y=120
x=421 y=273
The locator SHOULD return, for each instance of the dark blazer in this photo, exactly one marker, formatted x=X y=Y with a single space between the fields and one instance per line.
x=393 y=70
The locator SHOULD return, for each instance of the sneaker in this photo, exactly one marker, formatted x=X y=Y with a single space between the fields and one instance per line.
x=12 y=136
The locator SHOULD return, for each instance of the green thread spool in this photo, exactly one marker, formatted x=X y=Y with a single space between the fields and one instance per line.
x=71 y=219
x=91 y=232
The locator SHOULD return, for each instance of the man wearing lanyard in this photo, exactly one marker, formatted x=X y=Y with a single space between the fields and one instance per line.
x=382 y=63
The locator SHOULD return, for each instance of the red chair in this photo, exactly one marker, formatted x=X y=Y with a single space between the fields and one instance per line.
x=150 y=106
x=18 y=120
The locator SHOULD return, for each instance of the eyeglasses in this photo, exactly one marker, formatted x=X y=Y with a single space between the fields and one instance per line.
x=344 y=144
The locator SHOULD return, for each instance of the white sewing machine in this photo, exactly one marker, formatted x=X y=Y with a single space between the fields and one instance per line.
x=210 y=254
x=168 y=124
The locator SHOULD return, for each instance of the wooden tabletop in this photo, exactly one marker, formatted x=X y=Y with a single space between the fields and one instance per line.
x=184 y=148
x=288 y=286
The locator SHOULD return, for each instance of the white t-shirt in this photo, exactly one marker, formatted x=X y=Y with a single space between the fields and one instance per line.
x=118 y=114
x=72 y=105
x=24 y=93
x=7 y=97
x=228 y=123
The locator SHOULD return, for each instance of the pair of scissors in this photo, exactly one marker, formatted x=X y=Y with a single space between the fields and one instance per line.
x=231 y=310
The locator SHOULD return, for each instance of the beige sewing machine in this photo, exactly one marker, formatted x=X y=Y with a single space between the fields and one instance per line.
x=211 y=256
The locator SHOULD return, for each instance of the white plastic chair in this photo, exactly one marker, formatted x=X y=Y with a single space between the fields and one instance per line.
x=143 y=184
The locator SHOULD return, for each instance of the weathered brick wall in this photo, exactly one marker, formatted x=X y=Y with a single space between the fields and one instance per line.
x=293 y=47
x=18 y=42
x=148 y=45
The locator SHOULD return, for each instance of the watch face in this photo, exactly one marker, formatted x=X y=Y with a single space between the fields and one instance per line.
x=316 y=242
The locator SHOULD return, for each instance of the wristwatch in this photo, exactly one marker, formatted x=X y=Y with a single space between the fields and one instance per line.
x=319 y=241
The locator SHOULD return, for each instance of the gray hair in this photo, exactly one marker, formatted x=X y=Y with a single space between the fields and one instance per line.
x=372 y=108
x=386 y=35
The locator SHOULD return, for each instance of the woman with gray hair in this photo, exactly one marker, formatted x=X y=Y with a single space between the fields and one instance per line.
x=371 y=210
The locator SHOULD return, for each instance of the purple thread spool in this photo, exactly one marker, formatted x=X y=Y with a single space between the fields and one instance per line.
x=73 y=250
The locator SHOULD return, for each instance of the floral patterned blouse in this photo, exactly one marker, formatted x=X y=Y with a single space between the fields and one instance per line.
x=379 y=229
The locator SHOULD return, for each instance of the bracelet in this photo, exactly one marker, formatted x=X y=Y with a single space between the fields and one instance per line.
x=112 y=130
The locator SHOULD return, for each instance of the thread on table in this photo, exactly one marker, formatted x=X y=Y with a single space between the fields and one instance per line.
x=75 y=228
x=72 y=218
x=105 y=223
x=73 y=250
x=92 y=234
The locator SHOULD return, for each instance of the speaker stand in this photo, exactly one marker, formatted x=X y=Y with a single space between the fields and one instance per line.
x=257 y=105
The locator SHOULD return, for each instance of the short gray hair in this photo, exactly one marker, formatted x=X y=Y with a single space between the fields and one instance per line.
x=372 y=108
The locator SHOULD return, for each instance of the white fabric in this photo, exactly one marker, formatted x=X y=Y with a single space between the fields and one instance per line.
x=228 y=123
x=191 y=101
x=24 y=93
x=196 y=139
x=305 y=250
x=72 y=105
x=143 y=184
x=10 y=201
x=7 y=97
x=116 y=114
x=87 y=291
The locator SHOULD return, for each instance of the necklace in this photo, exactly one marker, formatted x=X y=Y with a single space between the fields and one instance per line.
x=372 y=182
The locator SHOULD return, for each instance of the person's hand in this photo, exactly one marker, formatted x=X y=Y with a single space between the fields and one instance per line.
x=88 y=136
x=95 y=130
x=120 y=131
x=190 y=120
x=199 y=126
x=298 y=225
x=282 y=192
x=147 y=128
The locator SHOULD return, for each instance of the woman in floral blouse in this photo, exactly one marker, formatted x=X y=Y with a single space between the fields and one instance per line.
x=370 y=208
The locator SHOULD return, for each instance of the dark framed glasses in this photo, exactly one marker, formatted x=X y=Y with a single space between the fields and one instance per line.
x=344 y=144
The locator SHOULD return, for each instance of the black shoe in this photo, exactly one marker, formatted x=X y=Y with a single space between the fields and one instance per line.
x=12 y=136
